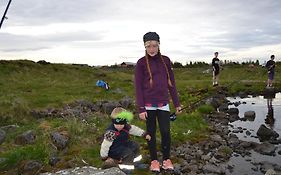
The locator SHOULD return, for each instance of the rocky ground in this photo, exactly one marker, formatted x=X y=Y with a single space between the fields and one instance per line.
x=207 y=157
x=211 y=156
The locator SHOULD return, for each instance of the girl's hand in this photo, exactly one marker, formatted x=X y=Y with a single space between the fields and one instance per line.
x=178 y=110
x=148 y=137
x=143 y=115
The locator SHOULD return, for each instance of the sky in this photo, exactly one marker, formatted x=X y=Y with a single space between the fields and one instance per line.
x=107 y=32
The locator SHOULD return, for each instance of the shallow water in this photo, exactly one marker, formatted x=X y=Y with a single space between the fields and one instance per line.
x=267 y=114
x=263 y=111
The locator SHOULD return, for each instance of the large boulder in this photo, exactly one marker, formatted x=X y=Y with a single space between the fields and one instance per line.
x=265 y=133
x=88 y=170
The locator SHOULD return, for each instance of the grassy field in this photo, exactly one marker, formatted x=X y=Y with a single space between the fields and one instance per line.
x=25 y=86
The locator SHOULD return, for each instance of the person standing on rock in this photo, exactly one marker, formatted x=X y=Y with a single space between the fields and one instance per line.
x=270 y=65
x=154 y=80
x=216 y=69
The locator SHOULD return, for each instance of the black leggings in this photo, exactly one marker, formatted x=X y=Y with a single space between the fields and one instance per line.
x=163 y=118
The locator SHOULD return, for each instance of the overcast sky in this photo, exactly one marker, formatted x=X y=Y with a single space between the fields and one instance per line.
x=101 y=32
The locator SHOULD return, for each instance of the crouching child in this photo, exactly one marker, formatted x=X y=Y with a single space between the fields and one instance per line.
x=116 y=147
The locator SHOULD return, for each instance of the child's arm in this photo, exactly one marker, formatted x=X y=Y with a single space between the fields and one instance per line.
x=134 y=130
x=109 y=137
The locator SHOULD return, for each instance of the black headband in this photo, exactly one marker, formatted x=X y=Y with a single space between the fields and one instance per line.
x=119 y=121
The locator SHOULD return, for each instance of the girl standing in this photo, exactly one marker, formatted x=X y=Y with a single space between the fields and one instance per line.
x=154 y=80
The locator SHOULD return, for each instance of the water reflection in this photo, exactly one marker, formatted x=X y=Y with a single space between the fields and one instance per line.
x=268 y=112
x=269 y=120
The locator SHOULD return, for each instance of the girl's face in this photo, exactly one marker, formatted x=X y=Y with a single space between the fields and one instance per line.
x=152 y=48
x=119 y=127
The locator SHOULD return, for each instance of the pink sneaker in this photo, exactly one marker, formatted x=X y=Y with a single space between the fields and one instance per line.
x=155 y=166
x=167 y=165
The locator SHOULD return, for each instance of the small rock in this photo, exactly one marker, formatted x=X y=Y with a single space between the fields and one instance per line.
x=2 y=136
x=126 y=102
x=216 y=138
x=270 y=172
x=109 y=106
x=206 y=157
x=223 y=108
x=236 y=130
x=9 y=128
x=213 y=102
x=233 y=141
x=237 y=103
x=233 y=118
x=248 y=133
x=255 y=169
x=59 y=140
x=54 y=160
x=26 y=138
x=209 y=168
x=233 y=111
x=31 y=167
x=250 y=115
x=242 y=95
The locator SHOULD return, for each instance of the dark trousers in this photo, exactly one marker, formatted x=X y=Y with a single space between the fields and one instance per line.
x=163 y=118
x=126 y=153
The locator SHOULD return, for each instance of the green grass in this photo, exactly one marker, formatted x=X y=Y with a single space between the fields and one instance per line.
x=30 y=152
x=25 y=86
x=205 y=109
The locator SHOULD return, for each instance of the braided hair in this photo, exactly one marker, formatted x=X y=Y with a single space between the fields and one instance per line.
x=149 y=70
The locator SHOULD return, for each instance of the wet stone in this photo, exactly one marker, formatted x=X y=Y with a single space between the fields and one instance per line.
x=265 y=148
x=250 y=115
x=248 y=133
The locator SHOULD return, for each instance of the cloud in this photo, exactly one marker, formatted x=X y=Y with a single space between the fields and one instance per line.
x=112 y=30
